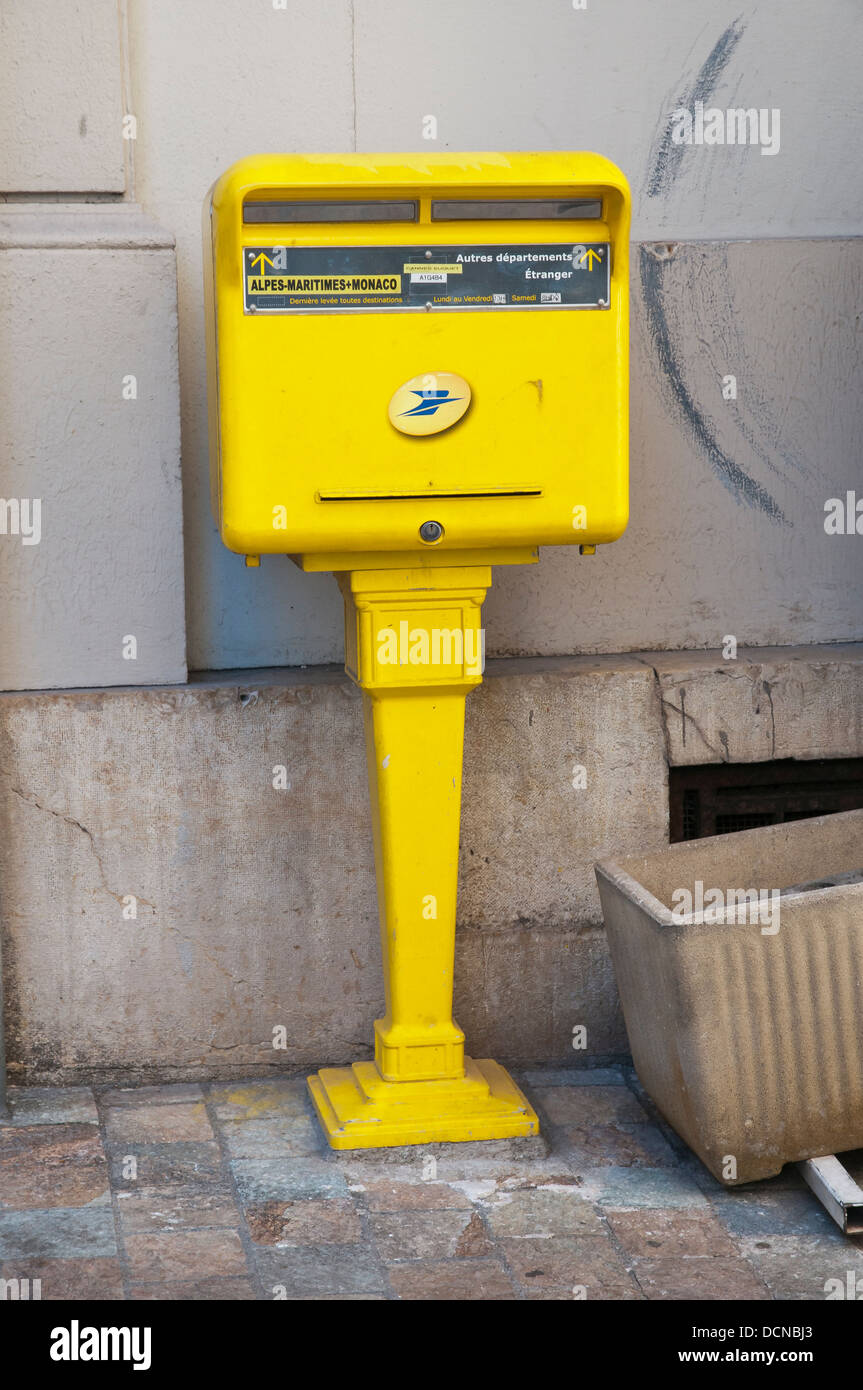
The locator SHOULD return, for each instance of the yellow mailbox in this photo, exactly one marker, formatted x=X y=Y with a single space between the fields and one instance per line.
x=417 y=369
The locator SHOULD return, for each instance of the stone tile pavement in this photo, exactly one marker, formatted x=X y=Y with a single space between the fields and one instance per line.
x=226 y=1191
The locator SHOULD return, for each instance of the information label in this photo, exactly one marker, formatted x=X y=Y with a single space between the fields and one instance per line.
x=283 y=279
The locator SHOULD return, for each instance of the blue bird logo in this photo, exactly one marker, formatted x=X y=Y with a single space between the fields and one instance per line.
x=430 y=401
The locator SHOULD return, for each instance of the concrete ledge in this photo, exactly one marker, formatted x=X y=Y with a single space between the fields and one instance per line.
x=255 y=907
x=80 y=226
x=771 y=702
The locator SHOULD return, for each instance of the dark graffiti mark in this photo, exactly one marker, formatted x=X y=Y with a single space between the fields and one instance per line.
x=730 y=474
x=665 y=164
x=665 y=156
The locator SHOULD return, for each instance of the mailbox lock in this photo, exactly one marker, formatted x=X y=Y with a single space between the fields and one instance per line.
x=431 y=531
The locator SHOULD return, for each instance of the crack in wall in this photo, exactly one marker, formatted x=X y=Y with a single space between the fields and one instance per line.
x=660 y=704
x=235 y=980
x=70 y=820
x=765 y=686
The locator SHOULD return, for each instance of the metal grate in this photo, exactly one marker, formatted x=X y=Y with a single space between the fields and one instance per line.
x=691 y=818
x=746 y=820
x=721 y=798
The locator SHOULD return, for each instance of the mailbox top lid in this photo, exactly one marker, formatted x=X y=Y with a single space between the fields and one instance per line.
x=539 y=171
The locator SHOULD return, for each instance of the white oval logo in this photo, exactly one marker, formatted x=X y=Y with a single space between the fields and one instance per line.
x=429 y=403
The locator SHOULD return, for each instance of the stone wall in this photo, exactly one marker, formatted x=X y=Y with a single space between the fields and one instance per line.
x=256 y=907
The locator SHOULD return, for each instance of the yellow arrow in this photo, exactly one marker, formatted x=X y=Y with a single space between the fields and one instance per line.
x=261 y=257
x=587 y=255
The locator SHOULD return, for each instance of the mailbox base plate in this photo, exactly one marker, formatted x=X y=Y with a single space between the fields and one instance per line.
x=358 y=1109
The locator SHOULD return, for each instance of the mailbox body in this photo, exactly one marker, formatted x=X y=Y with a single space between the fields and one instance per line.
x=333 y=281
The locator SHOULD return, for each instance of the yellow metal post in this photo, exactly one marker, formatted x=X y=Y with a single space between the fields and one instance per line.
x=414 y=647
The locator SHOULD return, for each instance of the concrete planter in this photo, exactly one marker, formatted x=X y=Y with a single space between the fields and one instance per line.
x=746 y=1019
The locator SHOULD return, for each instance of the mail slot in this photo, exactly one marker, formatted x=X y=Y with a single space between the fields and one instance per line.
x=396 y=340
